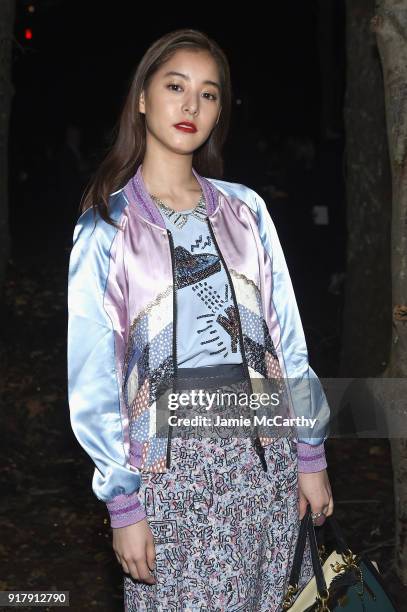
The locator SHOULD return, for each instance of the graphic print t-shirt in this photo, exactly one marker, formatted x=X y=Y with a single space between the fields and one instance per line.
x=207 y=323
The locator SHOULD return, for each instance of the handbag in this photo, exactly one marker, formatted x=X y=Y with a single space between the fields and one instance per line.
x=344 y=581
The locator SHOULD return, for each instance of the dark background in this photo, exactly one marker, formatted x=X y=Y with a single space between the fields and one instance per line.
x=75 y=71
x=70 y=80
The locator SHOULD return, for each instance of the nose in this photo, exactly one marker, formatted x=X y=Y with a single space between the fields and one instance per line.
x=189 y=110
x=191 y=107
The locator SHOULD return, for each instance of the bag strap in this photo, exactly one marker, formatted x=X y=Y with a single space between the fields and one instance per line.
x=307 y=528
x=300 y=547
x=316 y=563
x=341 y=543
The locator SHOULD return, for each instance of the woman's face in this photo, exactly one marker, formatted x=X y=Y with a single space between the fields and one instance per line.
x=173 y=98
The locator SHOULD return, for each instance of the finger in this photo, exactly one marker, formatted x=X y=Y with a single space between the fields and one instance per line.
x=320 y=520
x=125 y=566
x=327 y=509
x=302 y=505
x=144 y=572
x=330 y=507
x=118 y=558
x=133 y=569
x=150 y=554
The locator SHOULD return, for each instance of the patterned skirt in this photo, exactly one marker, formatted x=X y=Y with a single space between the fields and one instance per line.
x=224 y=529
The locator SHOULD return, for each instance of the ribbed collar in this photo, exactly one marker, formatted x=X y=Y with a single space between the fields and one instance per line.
x=137 y=194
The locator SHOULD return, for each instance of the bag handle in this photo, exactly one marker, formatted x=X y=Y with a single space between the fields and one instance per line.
x=300 y=547
x=307 y=528
x=341 y=543
x=316 y=563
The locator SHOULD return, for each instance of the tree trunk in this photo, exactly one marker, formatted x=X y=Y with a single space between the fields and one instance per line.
x=390 y=25
x=367 y=310
x=6 y=92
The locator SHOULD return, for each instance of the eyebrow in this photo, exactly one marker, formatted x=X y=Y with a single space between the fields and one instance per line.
x=185 y=76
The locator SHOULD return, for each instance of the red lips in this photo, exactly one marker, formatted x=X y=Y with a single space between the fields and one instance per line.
x=186 y=126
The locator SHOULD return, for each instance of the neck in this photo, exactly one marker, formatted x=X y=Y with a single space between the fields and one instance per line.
x=169 y=179
x=138 y=195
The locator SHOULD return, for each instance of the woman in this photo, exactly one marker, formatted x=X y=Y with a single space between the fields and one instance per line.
x=181 y=285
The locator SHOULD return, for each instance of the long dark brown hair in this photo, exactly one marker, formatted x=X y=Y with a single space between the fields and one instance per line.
x=129 y=142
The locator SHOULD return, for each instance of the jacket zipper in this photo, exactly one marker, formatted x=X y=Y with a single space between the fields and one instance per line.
x=174 y=337
x=256 y=440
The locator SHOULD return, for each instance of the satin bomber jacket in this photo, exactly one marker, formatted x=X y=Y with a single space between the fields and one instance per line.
x=122 y=328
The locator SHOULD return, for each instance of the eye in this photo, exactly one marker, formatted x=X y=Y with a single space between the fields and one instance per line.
x=214 y=97
x=173 y=85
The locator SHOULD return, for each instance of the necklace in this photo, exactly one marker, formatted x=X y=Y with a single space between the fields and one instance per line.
x=178 y=217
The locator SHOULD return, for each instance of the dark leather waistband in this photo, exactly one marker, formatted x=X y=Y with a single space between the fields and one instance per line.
x=209 y=376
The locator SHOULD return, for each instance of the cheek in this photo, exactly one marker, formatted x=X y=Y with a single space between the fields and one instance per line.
x=167 y=112
x=213 y=113
x=157 y=116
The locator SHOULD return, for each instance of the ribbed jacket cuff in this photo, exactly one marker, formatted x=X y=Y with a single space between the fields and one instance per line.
x=311 y=458
x=125 y=510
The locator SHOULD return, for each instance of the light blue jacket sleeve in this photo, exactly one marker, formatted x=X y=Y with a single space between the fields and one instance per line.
x=95 y=348
x=307 y=394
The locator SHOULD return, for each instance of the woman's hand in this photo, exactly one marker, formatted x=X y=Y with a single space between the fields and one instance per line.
x=135 y=550
x=315 y=489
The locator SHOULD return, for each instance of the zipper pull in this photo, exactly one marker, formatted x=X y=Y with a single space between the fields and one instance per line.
x=260 y=451
x=168 y=461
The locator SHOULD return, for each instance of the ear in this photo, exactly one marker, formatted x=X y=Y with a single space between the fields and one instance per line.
x=141 y=106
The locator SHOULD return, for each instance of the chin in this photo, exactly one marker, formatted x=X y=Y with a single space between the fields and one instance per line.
x=184 y=150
